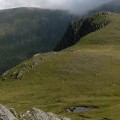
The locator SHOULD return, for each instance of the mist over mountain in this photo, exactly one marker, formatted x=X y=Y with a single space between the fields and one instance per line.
x=112 y=6
x=74 y=6
x=27 y=31
x=61 y=56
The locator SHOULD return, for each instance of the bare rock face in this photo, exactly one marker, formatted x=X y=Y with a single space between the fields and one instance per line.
x=5 y=114
x=37 y=114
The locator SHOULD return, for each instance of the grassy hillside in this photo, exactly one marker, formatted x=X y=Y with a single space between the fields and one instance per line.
x=85 y=74
x=25 y=32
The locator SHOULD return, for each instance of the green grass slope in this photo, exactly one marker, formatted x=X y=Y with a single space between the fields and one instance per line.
x=25 y=32
x=85 y=74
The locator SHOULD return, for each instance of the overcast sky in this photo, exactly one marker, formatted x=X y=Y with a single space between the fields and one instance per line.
x=76 y=6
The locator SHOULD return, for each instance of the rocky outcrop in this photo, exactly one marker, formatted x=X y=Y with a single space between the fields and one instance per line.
x=82 y=27
x=37 y=114
x=33 y=114
x=27 y=66
x=5 y=114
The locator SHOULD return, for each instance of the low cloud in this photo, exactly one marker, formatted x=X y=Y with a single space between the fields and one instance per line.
x=74 y=6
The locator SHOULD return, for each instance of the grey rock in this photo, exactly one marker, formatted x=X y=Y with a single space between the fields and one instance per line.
x=37 y=114
x=5 y=114
x=55 y=117
x=13 y=111
x=34 y=114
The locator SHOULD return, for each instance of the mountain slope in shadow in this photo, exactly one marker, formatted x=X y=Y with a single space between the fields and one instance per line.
x=27 y=31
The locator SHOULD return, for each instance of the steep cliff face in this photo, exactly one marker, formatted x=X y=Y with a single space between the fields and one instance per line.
x=82 y=27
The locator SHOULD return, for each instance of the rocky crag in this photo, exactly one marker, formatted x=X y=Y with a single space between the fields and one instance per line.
x=82 y=27
x=33 y=114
